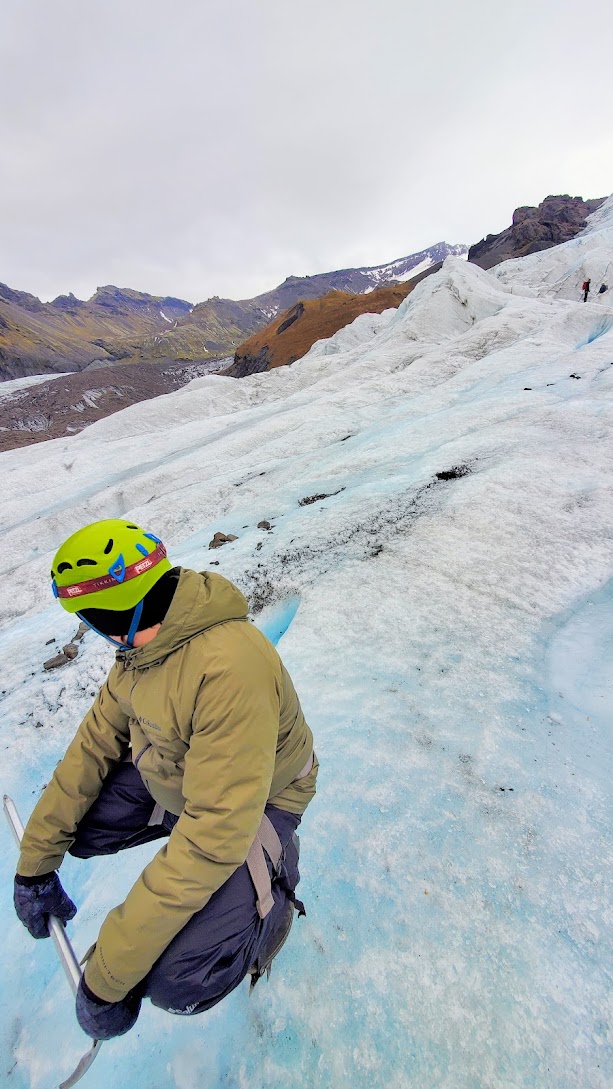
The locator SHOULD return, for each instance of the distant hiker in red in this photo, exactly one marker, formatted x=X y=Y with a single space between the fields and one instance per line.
x=586 y=289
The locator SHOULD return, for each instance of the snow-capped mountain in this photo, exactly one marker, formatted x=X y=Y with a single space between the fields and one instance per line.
x=406 y=268
x=444 y=603
x=358 y=281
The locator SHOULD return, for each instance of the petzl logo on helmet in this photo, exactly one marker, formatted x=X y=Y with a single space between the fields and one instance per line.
x=142 y=565
x=118 y=569
x=73 y=591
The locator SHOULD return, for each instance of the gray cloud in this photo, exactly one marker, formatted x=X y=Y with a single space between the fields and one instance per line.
x=209 y=148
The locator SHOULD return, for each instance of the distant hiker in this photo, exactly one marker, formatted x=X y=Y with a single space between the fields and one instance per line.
x=585 y=287
x=196 y=737
x=602 y=289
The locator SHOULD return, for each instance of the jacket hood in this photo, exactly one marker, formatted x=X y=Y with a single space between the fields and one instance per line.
x=201 y=600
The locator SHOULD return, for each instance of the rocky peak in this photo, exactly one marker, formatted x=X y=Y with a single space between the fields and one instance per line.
x=557 y=219
x=69 y=303
x=118 y=299
x=170 y=303
x=20 y=298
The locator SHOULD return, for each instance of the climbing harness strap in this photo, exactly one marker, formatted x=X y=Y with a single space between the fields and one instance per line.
x=157 y=815
x=306 y=769
x=267 y=840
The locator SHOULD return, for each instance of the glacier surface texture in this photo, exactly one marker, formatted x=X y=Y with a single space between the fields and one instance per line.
x=446 y=612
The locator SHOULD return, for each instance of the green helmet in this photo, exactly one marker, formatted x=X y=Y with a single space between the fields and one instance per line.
x=108 y=565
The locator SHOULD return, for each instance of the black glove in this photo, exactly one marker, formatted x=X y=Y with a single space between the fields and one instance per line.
x=36 y=898
x=103 y=1020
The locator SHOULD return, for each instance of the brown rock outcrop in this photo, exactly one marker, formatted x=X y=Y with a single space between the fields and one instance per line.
x=556 y=220
x=293 y=332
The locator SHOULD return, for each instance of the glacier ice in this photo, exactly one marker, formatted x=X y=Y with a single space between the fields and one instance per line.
x=447 y=614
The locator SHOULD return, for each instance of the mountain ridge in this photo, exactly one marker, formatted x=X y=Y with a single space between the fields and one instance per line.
x=128 y=326
x=287 y=338
x=172 y=347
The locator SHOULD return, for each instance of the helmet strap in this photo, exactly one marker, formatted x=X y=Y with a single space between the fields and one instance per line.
x=129 y=643
x=134 y=625
x=113 y=642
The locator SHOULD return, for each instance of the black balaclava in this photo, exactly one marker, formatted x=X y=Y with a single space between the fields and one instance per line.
x=155 y=606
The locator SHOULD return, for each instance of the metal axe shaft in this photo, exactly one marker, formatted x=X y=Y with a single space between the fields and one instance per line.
x=65 y=952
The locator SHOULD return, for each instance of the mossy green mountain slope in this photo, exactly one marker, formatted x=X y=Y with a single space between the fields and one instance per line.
x=69 y=334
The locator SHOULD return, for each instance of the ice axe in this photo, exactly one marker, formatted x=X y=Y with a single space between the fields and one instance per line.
x=63 y=949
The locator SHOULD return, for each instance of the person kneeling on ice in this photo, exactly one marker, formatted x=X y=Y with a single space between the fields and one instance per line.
x=196 y=736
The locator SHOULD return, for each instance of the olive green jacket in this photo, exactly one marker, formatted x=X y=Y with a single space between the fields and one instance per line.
x=210 y=717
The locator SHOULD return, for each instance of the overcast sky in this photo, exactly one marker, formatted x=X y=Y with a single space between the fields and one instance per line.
x=200 y=148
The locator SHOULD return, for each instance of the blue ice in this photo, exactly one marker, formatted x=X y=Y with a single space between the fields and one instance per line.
x=600 y=330
x=275 y=621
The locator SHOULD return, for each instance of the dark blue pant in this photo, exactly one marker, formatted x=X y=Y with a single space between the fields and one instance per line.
x=215 y=949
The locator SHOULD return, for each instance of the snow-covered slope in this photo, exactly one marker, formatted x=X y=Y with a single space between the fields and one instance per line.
x=447 y=614
x=405 y=268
